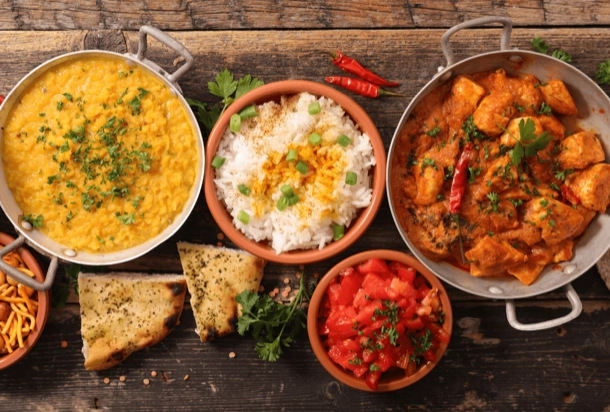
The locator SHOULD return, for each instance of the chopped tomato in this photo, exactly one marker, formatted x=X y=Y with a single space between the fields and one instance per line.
x=349 y=287
x=413 y=324
x=439 y=333
x=369 y=355
x=1 y=99
x=406 y=274
x=422 y=291
x=373 y=265
x=340 y=323
x=371 y=284
x=359 y=371
x=372 y=379
x=333 y=294
x=361 y=299
x=366 y=315
x=347 y=271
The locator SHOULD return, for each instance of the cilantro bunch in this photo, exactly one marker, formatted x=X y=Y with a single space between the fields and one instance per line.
x=272 y=324
x=228 y=89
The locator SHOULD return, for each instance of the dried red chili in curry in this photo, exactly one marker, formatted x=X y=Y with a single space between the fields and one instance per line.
x=532 y=188
x=377 y=316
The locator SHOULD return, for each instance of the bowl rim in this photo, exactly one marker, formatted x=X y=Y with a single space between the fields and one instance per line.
x=357 y=227
x=314 y=306
x=44 y=303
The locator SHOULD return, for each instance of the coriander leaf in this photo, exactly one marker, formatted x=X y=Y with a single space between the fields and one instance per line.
x=213 y=115
x=539 y=143
x=540 y=45
x=433 y=132
x=562 y=55
x=224 y=86
x=544 y=109
x=247 y=83
x=526 y=130
x=517 y=154
x=269 y=351
x=68 y=96
x=603 y=73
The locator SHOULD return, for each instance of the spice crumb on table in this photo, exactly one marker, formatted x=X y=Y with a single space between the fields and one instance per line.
x=231 y=355
x=146 y=382
x=64 y=344
x=153 y=374
x=122 y=378
x=106 y=381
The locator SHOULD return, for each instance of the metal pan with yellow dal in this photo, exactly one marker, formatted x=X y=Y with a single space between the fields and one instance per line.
x=592 y=106
x=102 y=158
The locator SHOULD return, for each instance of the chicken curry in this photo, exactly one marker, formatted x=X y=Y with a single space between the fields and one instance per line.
x=531 y=186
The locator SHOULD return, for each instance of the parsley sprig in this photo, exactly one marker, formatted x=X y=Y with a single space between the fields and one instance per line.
x=529 y=143
x=542 y=47
x=603 y=73
x=272 y=324
x=229 y=90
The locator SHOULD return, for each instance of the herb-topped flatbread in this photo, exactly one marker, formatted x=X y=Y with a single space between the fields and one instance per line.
x=123 y=312
x=215 y=276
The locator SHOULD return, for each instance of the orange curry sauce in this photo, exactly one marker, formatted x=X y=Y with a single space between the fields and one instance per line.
x=519 y=213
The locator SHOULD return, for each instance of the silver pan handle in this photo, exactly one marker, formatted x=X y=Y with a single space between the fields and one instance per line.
x=547 y=324
x=504 y=42
x=170 y=42
x=22 y=277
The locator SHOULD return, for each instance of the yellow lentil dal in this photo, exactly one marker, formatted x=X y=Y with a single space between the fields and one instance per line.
x=99 y=155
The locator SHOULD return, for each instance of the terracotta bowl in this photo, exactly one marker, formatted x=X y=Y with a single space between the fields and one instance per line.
x=273 y=91
x=44 y=304
x=389 y=381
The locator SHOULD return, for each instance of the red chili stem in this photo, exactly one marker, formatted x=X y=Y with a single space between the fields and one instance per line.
x=360 y=87
x=350 y=65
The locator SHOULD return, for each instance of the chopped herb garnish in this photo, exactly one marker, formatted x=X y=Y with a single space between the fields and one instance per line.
x=314 y=108
x=125 y=218
x=36 y=222
x=338 y=232
x=433 y=132
x=60 y=105
x=68 y=96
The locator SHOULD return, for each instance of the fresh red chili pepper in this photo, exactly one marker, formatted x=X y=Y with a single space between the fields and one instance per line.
x=347 y=64
x=360 y=87
x=569 y=195
x=458 y=186
x=1 y=99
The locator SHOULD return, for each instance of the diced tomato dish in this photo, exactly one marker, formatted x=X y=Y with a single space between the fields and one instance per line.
x=379 y=315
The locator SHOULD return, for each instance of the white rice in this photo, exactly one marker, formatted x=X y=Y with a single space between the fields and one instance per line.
x=262 y=144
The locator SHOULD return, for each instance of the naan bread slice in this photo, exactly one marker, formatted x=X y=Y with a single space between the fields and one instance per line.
x=124 y=312
x=215 y=276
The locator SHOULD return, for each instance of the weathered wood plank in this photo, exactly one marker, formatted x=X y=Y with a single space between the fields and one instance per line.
x=292 y=14
x=488 y=366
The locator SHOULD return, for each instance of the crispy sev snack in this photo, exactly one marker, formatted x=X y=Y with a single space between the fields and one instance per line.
x=18 y=307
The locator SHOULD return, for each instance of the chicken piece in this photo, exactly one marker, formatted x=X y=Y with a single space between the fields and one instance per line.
x=556 y=94
x=587 y=215
x=539 y=258
x=431 y=230
x=514 y=132
x=494 y=81
x=494 y=112
x=429 y=179
x=592 y=186
x=553 y=126
x=504 y=217
x=492 y=257
x=527 y=96
x=500 y=176
x=524 y=233
x=557 y=220
x=580 y=150
x=462 y=101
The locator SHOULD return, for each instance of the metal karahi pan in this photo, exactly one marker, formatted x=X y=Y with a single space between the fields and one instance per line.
x=593 y=107
x=43 y=243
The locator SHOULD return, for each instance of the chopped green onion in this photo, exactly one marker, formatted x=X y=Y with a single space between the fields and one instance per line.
x=314 y=108
x=248 y=112
x=302 y=167
x=282 y=204
x=243 y=217
x=235 y=123
x=218 y=161
x=292 y=155
x=315 y=139
x=293 y=200
x=244 y=190
x=339 y=231
x=344 y=141
x=351 y=178
x=287 y=190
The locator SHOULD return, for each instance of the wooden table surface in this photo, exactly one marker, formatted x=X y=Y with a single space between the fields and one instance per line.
x=488 y=366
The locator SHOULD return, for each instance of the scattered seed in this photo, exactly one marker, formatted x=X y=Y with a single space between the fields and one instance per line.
x=153 y=373
x=284 y=294
x=276 y=291
x=106 y=381
x=64 y=344
x=122 y=378
x=301 y=267
x=261 y=288
x=569 y=397
x=316 y=275
x=298 y=275
x=219 y=244
x=186 y=378
x=287 y=289
x=272 y=294
x=231 y=355
x=220 y=236
x=286 y=281
x=165 y=378
x=146 y=382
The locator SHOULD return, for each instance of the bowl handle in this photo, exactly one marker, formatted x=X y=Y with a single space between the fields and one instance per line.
x=547 y=324
x=22 y=277
x=504 y=42
x=170 y=42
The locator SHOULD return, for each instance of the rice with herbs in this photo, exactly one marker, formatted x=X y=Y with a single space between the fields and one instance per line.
x=250 y=180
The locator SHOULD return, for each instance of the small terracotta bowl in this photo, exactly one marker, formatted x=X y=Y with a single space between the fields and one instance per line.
x=273 y=91
x=44 y=303
x=391 y=380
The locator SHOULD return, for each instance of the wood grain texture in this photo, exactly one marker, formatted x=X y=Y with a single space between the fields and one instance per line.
x=488 y=366
x=290 y=14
